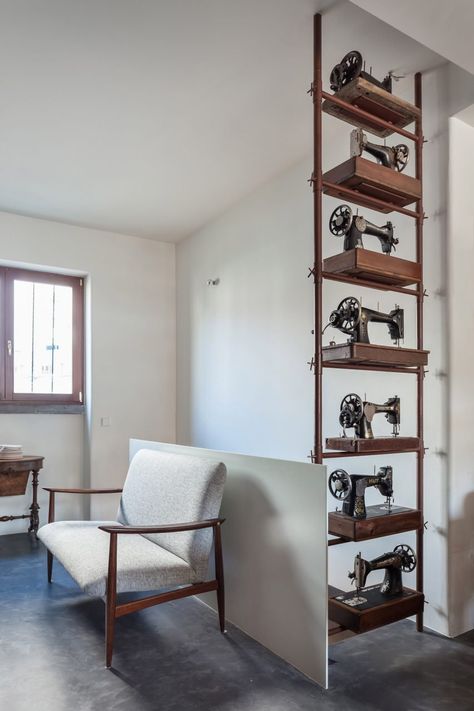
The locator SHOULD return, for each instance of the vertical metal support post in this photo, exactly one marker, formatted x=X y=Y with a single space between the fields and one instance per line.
x=318 y=253
x=419 y=331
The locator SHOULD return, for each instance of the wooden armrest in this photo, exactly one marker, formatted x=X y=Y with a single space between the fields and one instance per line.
x=53 y=491
x=82 y=491
x=170 y=528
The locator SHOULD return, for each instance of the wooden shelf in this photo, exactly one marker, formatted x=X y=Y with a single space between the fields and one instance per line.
x=379 y=522
x=374 y=445
x=352 y=354
x=379 y=609
x=373 y=183
x=375 y=101
x=336 y=632
x=334 y=628
x=374 y=267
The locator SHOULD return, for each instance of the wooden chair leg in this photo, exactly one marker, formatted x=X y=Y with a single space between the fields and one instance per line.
x=109 y=634
x=50 y=566
x=111 y=601
x=219 y=564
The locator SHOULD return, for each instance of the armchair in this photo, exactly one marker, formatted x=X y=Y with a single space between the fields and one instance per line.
x=155 y=550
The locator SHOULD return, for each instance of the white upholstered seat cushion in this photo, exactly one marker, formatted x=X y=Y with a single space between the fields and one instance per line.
x=167 y=488
x=83 y=550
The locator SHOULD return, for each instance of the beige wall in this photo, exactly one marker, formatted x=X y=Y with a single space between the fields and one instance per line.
x=130 y=336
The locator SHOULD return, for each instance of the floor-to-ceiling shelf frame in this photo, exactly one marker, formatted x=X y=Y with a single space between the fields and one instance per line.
x=358 y=116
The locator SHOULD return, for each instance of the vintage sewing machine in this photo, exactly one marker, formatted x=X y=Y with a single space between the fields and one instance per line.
x=359 y=414
x=401 y=559
x=352 y=318
x=352 y=66
x=394 y=157
x=344 y=223
x=351 y=489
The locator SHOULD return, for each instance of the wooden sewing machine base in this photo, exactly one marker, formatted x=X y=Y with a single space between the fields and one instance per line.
x=370 y=354
x=372 y=180
x=379 y=521
x=376 y=611
x=376 y=444
x=376 y=101
x=361 y=263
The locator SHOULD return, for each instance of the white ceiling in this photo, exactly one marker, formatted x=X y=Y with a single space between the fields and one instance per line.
x=446 y=26
x=151 y=117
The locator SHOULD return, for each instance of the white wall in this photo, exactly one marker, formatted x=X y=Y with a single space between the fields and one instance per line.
x=461 y=395
x=131 y=360
x=274 y=546
x=243 y=382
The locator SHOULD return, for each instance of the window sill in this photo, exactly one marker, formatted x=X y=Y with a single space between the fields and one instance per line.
x=53 y=408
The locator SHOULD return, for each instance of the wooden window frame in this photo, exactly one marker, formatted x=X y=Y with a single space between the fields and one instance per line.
x=17 y=401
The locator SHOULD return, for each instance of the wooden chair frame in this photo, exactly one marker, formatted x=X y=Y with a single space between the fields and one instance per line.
x=113 y=610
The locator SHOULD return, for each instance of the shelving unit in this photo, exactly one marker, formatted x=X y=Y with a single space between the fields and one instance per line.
x=365 y=183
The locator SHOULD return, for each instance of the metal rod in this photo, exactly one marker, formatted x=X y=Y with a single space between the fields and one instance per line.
x=360 y=113
x=368 y=201
x=369 y=284
x=318 y=238
x=338 y=541
x=419 y=332
x=336 y=455
x=363 y=366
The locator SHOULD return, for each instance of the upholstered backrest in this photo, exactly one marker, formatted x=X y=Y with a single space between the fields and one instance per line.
x=164 y=488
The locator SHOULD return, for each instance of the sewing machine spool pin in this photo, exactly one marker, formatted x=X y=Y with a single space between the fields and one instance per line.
x=351 y=67
x=393 y=157
x=359 y=414
x=350 y=489
x=353 y=319
x=401 y=559
x=343 y=223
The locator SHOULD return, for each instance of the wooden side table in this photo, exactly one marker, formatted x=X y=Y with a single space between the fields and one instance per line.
x=14 y=475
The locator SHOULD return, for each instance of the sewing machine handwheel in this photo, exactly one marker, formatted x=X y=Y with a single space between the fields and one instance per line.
x=351 y=308
x=347 y=70
x=340 y=220
x=351 y=410
x=340 y=484
x=409 y=557
x=401 y=156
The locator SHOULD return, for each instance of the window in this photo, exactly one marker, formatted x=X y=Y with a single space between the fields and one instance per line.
x=42 y=326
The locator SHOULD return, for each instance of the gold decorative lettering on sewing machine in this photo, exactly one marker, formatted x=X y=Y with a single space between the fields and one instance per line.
x=401 y=559
x=393 y=157
x=351 y=67
x=356 y=413
x=343 y=223
x=350 y=489
x=353 y=319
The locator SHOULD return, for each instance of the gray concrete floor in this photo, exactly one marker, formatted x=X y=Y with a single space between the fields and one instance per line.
x=173 y=658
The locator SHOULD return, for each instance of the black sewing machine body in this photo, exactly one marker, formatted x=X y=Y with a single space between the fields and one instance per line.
x=401 y=559
x=393 y=157
x=343 y=223
x=359 y=414
x=351 y=67
x=352 y=318
x=351 y=489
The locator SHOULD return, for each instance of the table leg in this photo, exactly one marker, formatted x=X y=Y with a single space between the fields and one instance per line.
x=34 y=508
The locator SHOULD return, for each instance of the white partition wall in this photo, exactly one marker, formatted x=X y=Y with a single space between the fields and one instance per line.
x=275 y=553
